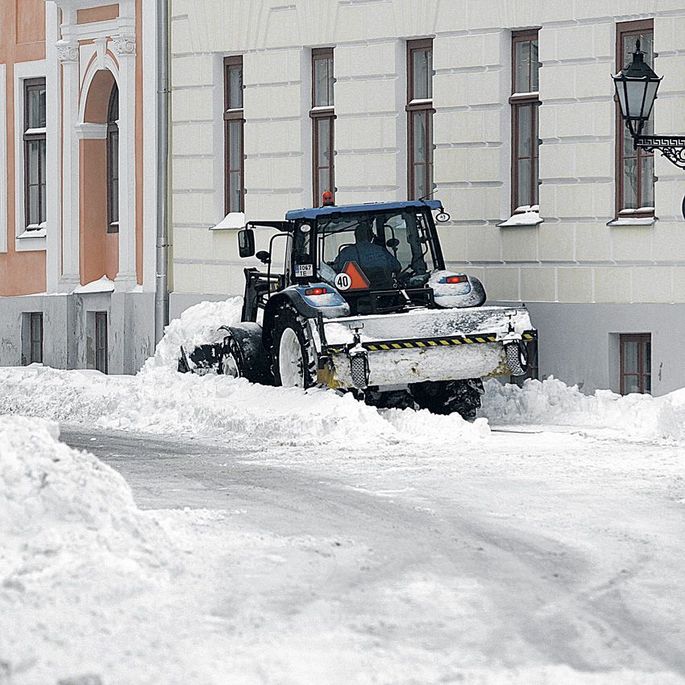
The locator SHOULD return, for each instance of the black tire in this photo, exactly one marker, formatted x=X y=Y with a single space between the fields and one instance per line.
x=287 y=319
x=448 y=397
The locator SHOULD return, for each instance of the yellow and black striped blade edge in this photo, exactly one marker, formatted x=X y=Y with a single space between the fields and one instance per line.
x=426 y=343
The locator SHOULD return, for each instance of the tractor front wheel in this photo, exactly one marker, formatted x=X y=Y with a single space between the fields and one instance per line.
x=293 y=361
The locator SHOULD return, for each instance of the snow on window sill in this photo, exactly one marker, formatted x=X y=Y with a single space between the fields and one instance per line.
x=647 y=221
x=527 y=215
x=634 y=217
x=34 y=231
x=232 y=221
x=102 y=285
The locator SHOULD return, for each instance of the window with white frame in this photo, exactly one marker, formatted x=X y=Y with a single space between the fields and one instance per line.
x=35 y=142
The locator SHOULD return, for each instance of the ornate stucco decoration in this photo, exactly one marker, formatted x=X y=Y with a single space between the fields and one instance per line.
x=124 y=44
x=67 y=51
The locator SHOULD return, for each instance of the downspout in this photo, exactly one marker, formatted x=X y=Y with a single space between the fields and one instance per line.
x=162 y=252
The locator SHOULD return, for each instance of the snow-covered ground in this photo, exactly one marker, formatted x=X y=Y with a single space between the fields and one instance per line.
x=293 y=537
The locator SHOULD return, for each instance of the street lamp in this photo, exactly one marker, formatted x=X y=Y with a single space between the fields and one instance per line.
x=636 y=89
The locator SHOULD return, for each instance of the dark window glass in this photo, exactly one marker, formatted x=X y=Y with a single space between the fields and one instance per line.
x=33 y=338
x=234 y=135
x=34 y=153
x=634 y=168
x=113 y=162
x=524 y=119
x=322 y=78
x=323 y=126
x=422 y=73
x=420 y=117
x=101 y=355
x=235 y=86
x=635 y=363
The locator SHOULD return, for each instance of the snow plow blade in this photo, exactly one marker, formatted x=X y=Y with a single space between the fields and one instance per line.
x=422 y=345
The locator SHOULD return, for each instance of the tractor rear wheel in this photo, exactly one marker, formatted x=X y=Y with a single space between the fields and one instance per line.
x=293 y=361
x=448 y=397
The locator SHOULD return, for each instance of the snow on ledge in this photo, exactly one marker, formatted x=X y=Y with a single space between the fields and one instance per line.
x=633 y=221
x=232 y=221
x=102 y=285
x=526 y=215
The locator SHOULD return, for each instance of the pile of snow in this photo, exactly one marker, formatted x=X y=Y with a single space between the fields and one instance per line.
x=232 y=409
x=553 y=402
x=197 y=325
x=70 y=534
x=55 y=501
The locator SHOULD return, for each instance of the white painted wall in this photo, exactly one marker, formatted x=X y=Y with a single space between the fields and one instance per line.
x=572 y=257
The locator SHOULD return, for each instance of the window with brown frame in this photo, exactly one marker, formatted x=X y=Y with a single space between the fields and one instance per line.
x=113 y=162
x=322 y=114
x=634 y=168
x=525 y=102
x=34 y=153
x=420 y=118
x=234 y=135
x=636 y=362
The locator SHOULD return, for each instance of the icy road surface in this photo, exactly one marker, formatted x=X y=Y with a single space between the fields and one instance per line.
x=536 y=558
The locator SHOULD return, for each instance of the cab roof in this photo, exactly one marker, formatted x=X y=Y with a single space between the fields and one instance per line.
x=315 y=212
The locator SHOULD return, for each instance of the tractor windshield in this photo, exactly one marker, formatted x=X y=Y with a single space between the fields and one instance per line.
x=375 y=250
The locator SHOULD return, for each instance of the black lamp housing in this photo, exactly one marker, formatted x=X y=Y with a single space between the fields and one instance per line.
x=636 y=89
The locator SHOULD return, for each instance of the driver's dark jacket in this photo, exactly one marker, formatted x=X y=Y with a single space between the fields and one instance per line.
x=375 y=261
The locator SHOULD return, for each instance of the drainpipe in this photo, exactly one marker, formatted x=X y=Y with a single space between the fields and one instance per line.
x=162 y=252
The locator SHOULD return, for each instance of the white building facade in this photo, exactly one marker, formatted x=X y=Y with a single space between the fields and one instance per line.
x=505 y=110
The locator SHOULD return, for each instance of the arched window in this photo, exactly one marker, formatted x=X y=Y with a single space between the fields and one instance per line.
x=113 y=162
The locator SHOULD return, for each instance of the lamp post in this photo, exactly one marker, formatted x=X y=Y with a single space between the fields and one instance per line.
x=636 y=89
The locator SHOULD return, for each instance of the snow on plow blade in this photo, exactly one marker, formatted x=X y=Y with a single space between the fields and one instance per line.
x=422 y=345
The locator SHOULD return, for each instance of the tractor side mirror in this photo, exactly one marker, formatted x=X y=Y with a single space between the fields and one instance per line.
x=263 y=256
x=246 y=244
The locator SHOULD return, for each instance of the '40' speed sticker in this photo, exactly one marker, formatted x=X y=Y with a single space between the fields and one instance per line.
x=343 y=282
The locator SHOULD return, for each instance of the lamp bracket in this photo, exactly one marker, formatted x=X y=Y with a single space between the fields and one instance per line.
x=671 y=147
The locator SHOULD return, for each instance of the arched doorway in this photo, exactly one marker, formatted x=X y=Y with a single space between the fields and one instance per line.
x=99 y=180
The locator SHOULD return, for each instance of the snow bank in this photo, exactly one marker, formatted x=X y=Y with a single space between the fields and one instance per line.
x=243 y=414
x=71 y=538
x=55 y=502
x=197 y=325
x=553 y=402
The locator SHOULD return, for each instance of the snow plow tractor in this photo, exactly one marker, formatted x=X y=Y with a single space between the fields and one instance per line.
x=364 y=303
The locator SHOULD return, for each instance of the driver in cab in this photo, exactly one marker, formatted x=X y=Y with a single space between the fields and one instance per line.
x=378 y=265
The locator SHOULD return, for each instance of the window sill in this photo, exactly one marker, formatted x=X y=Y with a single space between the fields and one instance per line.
x=231 y=222
x=523 y=216
x=633 y=221
x=31 y=240
x=33 y=233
